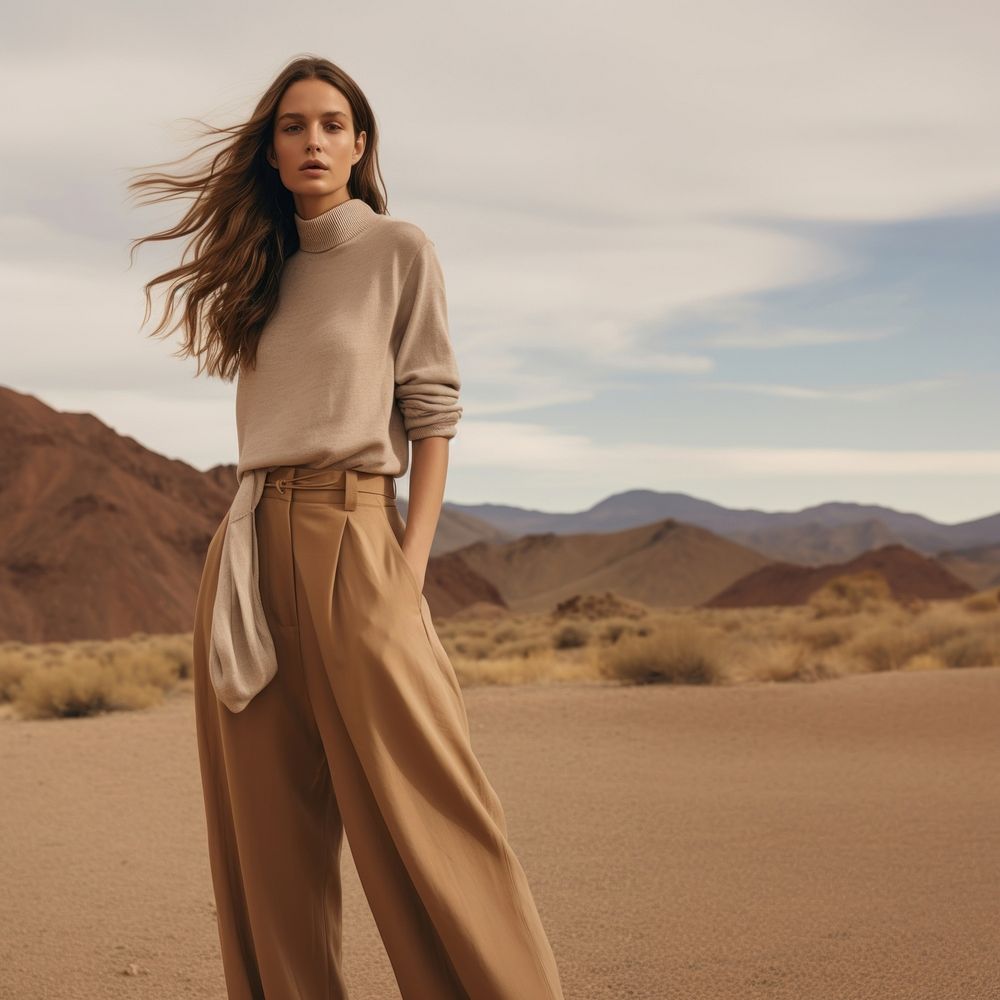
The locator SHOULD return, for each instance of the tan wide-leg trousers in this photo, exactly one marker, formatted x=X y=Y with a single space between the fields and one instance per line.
x=363 y=730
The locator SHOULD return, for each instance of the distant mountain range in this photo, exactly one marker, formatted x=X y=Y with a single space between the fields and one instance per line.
x=101 y=537
x=814 y=535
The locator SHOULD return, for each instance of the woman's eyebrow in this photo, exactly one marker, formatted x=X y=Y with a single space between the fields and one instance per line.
x=325 y=114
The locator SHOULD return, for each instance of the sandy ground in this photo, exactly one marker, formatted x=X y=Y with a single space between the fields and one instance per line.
x=830 y=840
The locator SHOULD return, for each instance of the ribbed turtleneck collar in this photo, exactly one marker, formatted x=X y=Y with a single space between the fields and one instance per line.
x=335 y=226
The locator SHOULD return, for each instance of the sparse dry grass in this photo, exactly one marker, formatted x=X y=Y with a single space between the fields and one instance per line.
x=852 y=626
x=687 y=652
x=66 y=679
x=850 y=593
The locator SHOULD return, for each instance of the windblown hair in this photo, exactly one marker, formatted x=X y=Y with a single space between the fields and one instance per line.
x=242 y=221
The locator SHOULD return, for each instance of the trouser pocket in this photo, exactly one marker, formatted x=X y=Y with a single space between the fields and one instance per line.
x=395 y=528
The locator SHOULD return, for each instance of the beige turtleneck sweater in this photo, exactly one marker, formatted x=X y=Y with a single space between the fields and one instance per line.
x=354 y=362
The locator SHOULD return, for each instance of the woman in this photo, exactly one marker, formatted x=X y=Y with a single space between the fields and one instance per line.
x=324 y=699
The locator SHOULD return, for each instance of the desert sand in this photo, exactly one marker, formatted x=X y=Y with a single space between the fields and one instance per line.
x=838 y=839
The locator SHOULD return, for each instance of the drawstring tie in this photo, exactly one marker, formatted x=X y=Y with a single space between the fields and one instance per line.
x=349 y=484
x=280 y=484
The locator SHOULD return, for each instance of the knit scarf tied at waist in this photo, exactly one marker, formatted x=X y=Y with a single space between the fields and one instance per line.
x=242 y=659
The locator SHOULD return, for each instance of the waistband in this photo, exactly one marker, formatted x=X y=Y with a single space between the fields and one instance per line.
x=326 y=485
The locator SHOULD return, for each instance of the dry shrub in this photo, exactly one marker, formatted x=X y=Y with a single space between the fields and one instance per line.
x=508 y=632
x=570 y=636
x=472 y=647
x=971 y=649
x=521 y=646
x=941 y=621
x=144 y=663
x=542 y=668
x=945 y=631
x=777 y=659
x=468 y=630
x=84 y=678
x=886 y=647
x=16 y=662
x=850 y=593
x=824 y=633
x=684 y=653
x=86 y=687
x=616 y=628
x=731 y=624
x=511 y=637
x=984 y=600
x=177 y=652
x=730 y=645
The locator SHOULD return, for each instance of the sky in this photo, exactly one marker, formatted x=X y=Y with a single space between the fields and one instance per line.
x=748 y=252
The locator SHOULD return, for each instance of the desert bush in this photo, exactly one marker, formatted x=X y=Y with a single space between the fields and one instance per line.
x=570 y=636
x=943 y=621
x=79 y=688
x=472 y=647
x=68 y=679
x=850 y=593
x=971 y=649
x=146 y=663
x=16 y=662
x=615 y=628
x=886 y=647
x=731 y=624
x=507 y=632
x=777 y=659
x=984 y=600
x=522 y=646
x=177 y=652
x=684 y=653
x=476 y=630
x=823 y=634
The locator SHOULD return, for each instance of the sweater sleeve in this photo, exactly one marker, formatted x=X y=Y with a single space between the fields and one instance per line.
x=426 y=372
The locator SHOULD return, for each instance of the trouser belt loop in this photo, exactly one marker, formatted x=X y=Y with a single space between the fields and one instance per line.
x=350 y=489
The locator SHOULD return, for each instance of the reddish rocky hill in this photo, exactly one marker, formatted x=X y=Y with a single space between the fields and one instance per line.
x=908 y=574
x=101 y=537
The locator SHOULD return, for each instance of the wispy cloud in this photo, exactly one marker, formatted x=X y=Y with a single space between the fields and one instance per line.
x=684 y=364
x=528 y=447
x=870 y=393
x=768 y=340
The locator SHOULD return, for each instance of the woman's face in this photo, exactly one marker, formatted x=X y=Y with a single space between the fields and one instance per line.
x=314 y=122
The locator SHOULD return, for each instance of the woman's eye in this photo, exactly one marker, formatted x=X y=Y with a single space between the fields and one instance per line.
x=334 y=124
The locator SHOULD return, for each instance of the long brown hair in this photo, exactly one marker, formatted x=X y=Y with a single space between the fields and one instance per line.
x=243 y=226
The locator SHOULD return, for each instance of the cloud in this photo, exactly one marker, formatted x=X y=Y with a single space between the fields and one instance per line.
x=768 y=340
x=613 y=199
x=870 y=393
x=528 y=448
